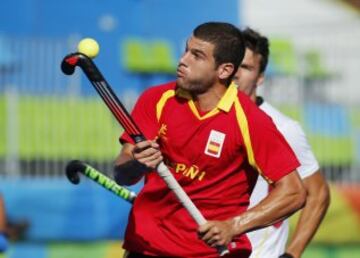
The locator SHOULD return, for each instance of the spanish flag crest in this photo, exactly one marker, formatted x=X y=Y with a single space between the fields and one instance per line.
x=215 y=143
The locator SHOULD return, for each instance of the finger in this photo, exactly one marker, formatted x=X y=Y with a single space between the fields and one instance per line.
x=148 y=155
x=219 y=242
x=213 y=231
x=151 y=160
x=140 y=146
x=153 y=163
x=213 y=240
x=205 y=230
x=202 y=229
x=155 y=145
x=145 y=153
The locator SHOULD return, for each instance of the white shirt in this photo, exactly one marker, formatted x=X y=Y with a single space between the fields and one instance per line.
x=270 y=241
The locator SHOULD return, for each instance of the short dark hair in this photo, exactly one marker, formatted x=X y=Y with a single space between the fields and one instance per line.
x=259 y=44
x=227 y=39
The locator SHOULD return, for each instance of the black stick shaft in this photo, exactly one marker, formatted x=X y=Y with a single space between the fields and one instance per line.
x=77 y=166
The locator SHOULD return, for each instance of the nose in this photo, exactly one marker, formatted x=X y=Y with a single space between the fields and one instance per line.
x=183 y=59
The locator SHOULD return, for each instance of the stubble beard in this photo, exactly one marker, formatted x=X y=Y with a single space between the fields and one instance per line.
x=194 y=86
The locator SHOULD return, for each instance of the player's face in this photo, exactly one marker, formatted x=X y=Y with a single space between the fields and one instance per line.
x=196 y=70
x=248 y=76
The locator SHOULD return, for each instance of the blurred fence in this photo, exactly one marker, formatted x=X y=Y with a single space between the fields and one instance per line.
x=47 y=121
x=311 y=80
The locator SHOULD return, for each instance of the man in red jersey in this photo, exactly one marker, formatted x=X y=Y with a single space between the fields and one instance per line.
x=215 y=141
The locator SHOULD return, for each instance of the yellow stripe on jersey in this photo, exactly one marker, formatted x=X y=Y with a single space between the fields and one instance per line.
x=244 y=128
x=228 y=99
x=196 y=113
x=224 y=104
x=161 y=103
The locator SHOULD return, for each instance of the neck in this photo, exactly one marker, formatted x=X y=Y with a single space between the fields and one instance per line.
x=208 y=100
x=253 y=96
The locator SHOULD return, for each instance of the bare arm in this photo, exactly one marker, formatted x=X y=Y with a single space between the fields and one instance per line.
x=317 y=203
x=125 y=154
x=287 y=197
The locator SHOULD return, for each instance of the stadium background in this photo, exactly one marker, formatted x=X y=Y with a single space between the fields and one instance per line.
x=47 y=119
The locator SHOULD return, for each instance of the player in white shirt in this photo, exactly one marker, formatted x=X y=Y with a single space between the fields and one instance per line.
x=270 y=242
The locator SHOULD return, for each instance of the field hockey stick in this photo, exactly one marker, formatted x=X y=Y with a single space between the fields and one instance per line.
x=74 y=167
x=116 y=107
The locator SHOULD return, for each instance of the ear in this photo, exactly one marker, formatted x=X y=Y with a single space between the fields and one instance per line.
x=225 y=70
x=260 y=80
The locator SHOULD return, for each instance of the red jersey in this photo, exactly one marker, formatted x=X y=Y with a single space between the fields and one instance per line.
x=214 y=157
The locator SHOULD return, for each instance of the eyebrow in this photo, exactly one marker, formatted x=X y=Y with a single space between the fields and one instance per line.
x=195 y=50
x=247 y=66
x=199 y=52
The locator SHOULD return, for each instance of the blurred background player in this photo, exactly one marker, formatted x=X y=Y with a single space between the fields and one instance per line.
x=209 y=134
x=271 y=241
x=3 y=238
x=10 y=230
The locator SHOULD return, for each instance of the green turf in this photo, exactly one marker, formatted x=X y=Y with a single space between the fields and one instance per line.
x=355 y=117
x=328 y=150
x=316 y=252
x=292 y=111
x=62 y=128
x=341 y=224
x=102 y=249
x=327 y=251
x=2 y=127
x=332 y=151
x=78 y=250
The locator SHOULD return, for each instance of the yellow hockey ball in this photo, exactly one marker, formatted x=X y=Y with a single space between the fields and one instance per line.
x=89 y=47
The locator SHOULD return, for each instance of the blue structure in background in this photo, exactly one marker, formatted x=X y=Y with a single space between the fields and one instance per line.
x=111 y=22
x=327 y=120
x=56 y=209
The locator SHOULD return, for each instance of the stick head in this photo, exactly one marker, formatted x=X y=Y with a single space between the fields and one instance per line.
x=72 y=169
x=69 y=63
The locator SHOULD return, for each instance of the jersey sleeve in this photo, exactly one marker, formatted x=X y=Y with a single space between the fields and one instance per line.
x=144 y=115
x=272 y=154
x=296 y=138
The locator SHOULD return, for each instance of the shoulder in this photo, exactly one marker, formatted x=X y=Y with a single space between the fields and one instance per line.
x=295 y=136
x=245 y=99
x=246 y=103
x=251 y=110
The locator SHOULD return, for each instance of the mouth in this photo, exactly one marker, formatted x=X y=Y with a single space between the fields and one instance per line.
x=180 y=73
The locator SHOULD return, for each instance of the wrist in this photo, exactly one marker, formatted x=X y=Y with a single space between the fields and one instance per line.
x=295 y=249
x=237 y=225
x=286 y=255
x=231 y=228
x=130 y=172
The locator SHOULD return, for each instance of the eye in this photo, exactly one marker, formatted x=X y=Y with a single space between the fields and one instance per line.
x=246 y=67
x=196 y=55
